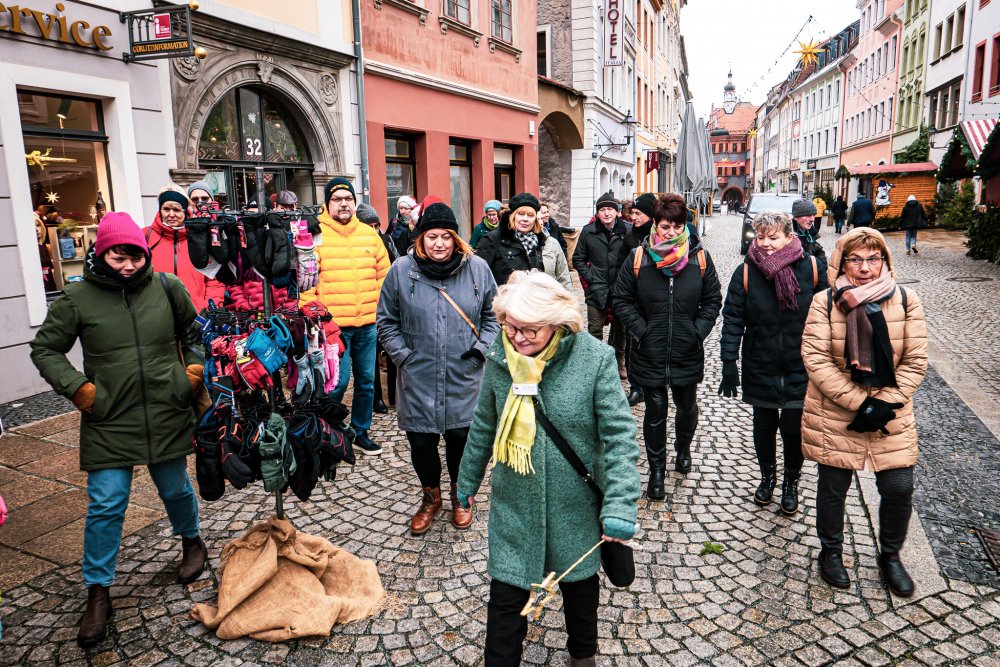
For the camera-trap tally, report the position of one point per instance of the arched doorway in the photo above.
(249, 128)
(732, 195)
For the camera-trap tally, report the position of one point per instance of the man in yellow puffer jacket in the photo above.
(352, 264)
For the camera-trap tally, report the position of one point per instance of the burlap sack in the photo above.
(277, 584)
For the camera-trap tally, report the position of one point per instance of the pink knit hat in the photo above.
(117, 229)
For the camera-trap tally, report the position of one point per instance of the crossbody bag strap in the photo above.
(459, 311)
(566, 450)
(173, 305)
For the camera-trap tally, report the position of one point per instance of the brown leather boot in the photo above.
(583, 662)
(460, 517)
(195, 553)
(94, 625)
(429, 508)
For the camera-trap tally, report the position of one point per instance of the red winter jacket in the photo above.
(170, 255)
(250, 296)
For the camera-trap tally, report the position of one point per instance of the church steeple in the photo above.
(729, 94)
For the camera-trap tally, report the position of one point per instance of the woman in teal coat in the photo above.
(134, 396)
(543, 515)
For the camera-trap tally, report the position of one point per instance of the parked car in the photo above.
(763, 201)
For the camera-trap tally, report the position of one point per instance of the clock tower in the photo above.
(729, 95)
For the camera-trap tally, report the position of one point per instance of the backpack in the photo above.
(639, 255)
(746, 275)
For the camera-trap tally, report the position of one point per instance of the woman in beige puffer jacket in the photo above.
(864, 368)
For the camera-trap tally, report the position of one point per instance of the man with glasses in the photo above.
(352, 265)
(201, 194)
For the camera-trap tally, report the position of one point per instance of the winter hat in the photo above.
(523, 199)
(492, 205)
(802, 208)
(607, 200)
(119, 229)
(645, 203)
(201, 185)
(437, 216)
(174, 196)
(286, 198)
(367, 215)
(405, 201)
(337, 184)
(912, 198)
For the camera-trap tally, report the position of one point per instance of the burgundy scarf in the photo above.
(779, 268)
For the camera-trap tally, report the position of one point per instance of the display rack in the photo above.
(65, 270)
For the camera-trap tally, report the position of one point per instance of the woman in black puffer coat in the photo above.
(669, 306)
(508, 248)
(766, 308)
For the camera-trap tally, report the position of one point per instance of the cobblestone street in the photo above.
(759, 602)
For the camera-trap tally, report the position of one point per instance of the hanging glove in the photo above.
(307, 269)
(253, 373)
(474, 353)
(83, 399)
(318, 364)
(331, 354)
(207, 467)
(233, 468)
(729, 387)
(873, 415)
(306, 385)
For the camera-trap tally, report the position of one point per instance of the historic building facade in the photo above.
(728, 130)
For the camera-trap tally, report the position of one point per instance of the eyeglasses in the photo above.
(201, 200)
(526, 333)
(341, 200)
(856, 262)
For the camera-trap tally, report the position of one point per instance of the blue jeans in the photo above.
(911, 237)
(359, 356)
(838, 224)
(108, 493)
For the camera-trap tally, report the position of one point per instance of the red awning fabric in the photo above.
(977, 132)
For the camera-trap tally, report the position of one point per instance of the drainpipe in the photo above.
(362, 127)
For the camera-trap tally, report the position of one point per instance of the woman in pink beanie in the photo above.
(134, 395)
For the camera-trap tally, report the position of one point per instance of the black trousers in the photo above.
(616, 336)
(766, 424)
(895, 489)
(654, 422)
(426, 459)
(506, 628)
(390, 377)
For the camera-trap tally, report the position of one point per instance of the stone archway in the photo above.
(732, 194)
(555, 169)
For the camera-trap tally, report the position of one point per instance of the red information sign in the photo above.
(161, 26)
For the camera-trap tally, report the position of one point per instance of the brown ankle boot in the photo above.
(460, 517)
(429, 508)
(94, 625)
(195, 553)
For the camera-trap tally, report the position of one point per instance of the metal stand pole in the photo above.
(279, 501)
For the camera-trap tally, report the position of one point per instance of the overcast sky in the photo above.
(751, 34)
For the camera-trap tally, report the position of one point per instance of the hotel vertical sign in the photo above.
(614, 22)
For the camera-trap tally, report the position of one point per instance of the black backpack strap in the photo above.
(566, 450)
(829, 302)
(173, 305)
(902, 294)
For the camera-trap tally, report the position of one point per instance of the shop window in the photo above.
(458, 10)
(460, 168)
(501, 20)
(503, 173)
(66, 156)
(400, 169)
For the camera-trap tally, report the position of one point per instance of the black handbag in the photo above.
(616, 558)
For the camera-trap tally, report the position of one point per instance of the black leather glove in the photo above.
(474, 353)
(730, 384)
(873, 415)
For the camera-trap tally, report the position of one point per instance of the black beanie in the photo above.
(337, 184)
(174, 196)
(645, 203)
(437, 216)
(523, 199)
(607, 200)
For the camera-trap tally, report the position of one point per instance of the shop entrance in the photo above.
(249, 128)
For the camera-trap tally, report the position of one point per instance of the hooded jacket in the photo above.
(832, 399)
(169, 250)
(769, 339)
(554, 260)
(353, 263)
(668, 317)
(142, 409)
(504, 253)
(597, 259)
(249, 296)
(913, 215)
(862, 212)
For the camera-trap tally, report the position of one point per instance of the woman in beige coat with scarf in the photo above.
(865, 350)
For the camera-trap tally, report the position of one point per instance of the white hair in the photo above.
(536, 298)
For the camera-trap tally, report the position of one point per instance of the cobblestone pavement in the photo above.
(758, 602)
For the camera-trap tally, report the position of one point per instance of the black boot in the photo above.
(768, 480)
(94, 625)
(790, 491)
(682, 462)
(657, 471)
(832, 570)
(635, 396)
(380, 407)
(894, 575)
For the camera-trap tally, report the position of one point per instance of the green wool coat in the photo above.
(543, 522)
(142, 410)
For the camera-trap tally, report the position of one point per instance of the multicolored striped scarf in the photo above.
(670, 255)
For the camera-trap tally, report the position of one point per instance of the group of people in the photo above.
(492, 353)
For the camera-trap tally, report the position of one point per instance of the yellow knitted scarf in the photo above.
(516, 431)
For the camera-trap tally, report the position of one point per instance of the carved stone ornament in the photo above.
(187, 68)
(264, 69)
(328, 89)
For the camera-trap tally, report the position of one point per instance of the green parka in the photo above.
(544, 521)
(142, 409)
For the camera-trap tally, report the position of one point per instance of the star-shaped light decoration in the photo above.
(51, 197)
(752, 133)
(808, 53)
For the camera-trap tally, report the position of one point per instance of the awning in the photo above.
(907, 168)
(976, 133)
(962, 157)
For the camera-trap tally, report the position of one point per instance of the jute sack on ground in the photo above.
(278, 584)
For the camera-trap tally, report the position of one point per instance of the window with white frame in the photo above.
(458, 10)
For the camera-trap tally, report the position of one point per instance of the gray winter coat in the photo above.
(425, 337)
